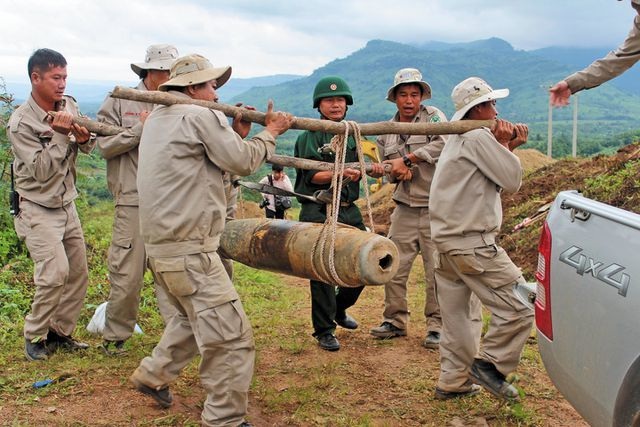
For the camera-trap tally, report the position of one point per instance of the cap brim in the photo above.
(495, 94)
(220, 75)
(164, 64)
(426, 90)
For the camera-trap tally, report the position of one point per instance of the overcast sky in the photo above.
(101, 38)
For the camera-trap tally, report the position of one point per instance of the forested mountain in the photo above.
(369, 71)
(577, 59)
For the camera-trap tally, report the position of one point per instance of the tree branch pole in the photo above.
(308, 164)
(379, 128)
(284, 161)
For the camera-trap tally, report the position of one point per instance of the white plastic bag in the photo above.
(96, 324)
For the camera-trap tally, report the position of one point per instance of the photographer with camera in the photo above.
(275, 206)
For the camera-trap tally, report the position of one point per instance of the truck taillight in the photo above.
(543, 293)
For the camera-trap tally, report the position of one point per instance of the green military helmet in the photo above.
(331, 86)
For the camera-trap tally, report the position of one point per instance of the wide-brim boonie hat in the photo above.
(158, 57)
(471, 92)
(408, 76)
(195, 69)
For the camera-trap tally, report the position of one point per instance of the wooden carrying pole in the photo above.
(284, 161)
(379, 128)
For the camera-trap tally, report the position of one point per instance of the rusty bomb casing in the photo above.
(361, 258)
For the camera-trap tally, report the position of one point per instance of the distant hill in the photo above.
(369, 71)
(578, 58)
(236, 86)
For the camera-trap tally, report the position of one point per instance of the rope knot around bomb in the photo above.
(323, 254)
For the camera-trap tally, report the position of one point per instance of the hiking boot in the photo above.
(432, 340)
(113, 348)
(163, 396)
(328, 342)
(36, 350)
(387, 330)
(346, 321)
(245, 424)
(447, 395)
(56, 341)
(485, 373)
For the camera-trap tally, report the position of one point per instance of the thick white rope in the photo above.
(326, 261)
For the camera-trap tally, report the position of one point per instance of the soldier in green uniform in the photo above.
(329, 306)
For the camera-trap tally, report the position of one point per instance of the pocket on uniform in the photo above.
(118, 251)
(173, 273)
(123, 242)
(466, 262)
(499, 269)
(437, 264)
(19, 223)
(391, 149)
(22, 221)
(223, 323)
(415, 142)
(41, 253)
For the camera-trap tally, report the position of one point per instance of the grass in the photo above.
(368, 383)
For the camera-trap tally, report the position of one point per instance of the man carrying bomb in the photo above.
(466, 214)
(184, 150)
(413, 159)
(127, 258)
(45, 151)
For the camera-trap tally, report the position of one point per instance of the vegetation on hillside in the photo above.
(608, 179)
(605, 114)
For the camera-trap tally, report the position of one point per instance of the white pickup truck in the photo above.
(588, 307)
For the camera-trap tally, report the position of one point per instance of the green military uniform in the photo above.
(326, 301)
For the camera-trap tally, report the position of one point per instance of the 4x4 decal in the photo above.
(587, 265)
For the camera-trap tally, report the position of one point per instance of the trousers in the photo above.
(56, 245)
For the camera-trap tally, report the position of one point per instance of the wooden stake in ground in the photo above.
(379, 128)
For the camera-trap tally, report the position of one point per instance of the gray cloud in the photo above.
(100, 39)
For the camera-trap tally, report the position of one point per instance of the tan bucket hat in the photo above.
(471, 92)
(158, 57)
(195, 69)
(406, 76)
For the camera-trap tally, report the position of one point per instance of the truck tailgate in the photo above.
(595, 302)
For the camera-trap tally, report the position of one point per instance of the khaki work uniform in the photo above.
(612, 65)
(45, 175)
(184, 150)
(410, 229)
(231, 195)
(466, 215)
(127, 258)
